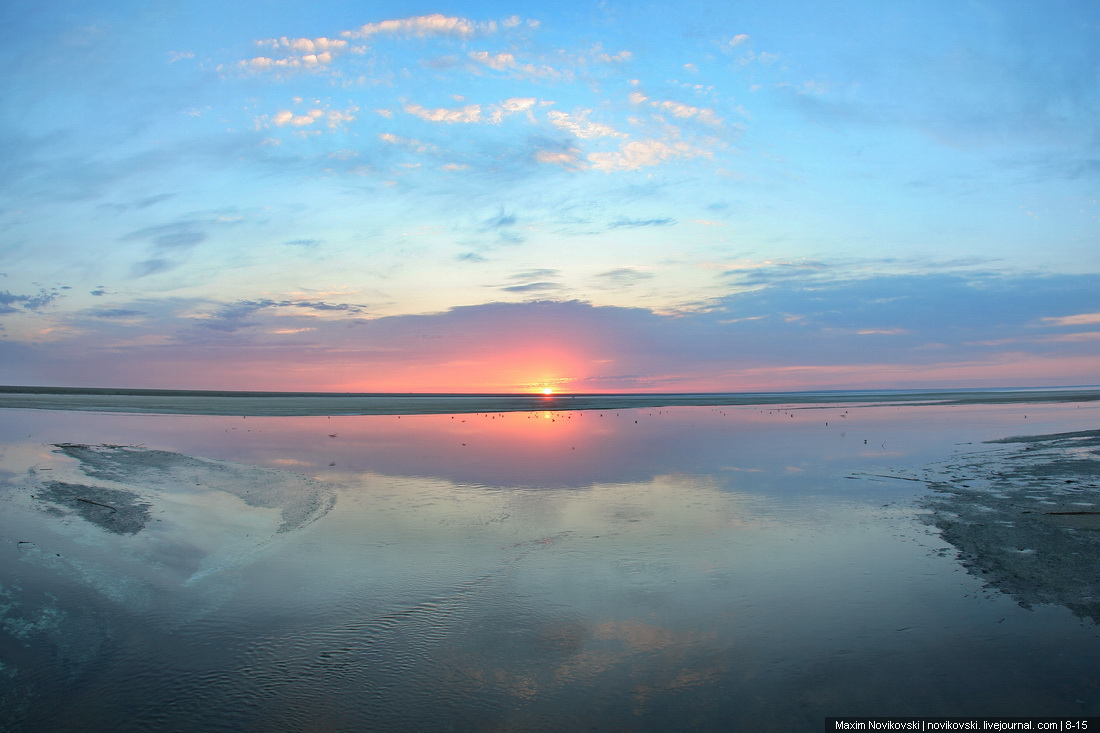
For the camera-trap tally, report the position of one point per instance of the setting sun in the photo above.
(547, 391)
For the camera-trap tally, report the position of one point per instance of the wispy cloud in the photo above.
(623, 222)
(625, 275)
(535, 287)
(1080, 319)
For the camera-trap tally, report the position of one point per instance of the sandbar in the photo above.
(190, 402)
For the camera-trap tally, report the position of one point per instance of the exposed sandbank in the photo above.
(305, 404)
(160, 509)
(1025, 517)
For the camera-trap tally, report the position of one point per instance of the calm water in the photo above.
(648, 569)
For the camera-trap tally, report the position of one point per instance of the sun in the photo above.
(547, 391)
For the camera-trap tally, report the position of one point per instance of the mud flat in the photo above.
(1024, 515)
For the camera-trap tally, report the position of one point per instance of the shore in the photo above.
(306, 404)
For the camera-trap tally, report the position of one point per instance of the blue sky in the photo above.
(651, 196)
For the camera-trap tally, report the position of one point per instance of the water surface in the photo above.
(632, 569)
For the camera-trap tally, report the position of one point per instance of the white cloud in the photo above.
(286, 54)
(579, 125)
(305, 45)
(511, 107)
(424, 26)
(507, 62)
(738, 39)
(500, 61)
(614, 58)
(473, 113)
(336, 119)
(305, 62)
(642, 154)
(408, 143)
(686, 112)
(333, 119)
(286, 117)
(466, 114)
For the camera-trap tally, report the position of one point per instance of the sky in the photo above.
(582, 196)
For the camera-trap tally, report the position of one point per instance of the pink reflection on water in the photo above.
(563, 448)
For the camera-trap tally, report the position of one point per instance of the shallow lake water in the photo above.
(644, 569)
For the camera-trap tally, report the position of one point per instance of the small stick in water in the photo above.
(89, 501)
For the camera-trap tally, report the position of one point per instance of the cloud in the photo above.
(176, 237)
(500, 61)
(410, 144)
(568, 158)
(536, 274)
(317, 114)
(180, 234)
(293, 54)
(423, 26)
(507, 62)
(535, 287)
(687, 112)
(771, 271)
(114, 313)
(1080, 319)
(141, 203)
(510, 107)
(499, 221)
(625, 275)
(285, 55)
(14, 303)
(152, 266)
(579, 125)
(635, 223)
(242, 314)
(643, 154)
(470, 113)
(942, 329)
(473, 113)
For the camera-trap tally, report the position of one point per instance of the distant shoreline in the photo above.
(209, 402)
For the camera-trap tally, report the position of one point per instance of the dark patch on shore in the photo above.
(1026, 518)
(114, 510)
